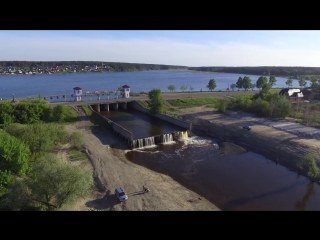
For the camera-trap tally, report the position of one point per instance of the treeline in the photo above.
(114, 66)
(277, 71)
(33, 111)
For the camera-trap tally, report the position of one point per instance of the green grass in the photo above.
(76, 155)
(87, 110)
(71, 114)
(134, 94)
(193, 102)
(97, 121)
(144, 104)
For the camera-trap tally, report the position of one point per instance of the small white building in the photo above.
(77, 94)
(126, 91)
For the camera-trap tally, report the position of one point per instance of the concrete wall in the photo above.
(137, 106)
(96, 107)
(172, 120)
(186, 125)
(122, 131)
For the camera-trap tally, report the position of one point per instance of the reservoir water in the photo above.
(23, 86)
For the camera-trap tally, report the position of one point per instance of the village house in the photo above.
(297, 95)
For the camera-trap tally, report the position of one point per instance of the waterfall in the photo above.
(149, 141)
(164, 138)
(143, 142)
(155, 140)
(181, 136)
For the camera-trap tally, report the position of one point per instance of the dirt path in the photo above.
(111, 169)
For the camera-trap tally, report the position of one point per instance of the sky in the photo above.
(191, 48)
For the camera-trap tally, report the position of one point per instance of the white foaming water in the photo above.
(145, 147)
(168, 143)
(195, 140)
(142, 150)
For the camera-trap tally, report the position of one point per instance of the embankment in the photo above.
(280, 146)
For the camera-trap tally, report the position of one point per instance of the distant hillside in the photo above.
(277, 71)
(103, 66)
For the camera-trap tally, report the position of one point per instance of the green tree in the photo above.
(310, 160)
(272, 80)
(289, 82)
(265, 91)
(239, 83)
(183, 88)
(14, 154)
(6, 178)
(40, 138)
(314, 85)
(302, 81)
(191, 88)
(18, 198)
(171, 88)
(51, 184)
(246, 83)
(233, 86)
(261, 81)
(157, 104)
(212, 85)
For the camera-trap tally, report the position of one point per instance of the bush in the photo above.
(222, 105)
(283, 108)
(260, 107)
(310, 160)
(76, 139)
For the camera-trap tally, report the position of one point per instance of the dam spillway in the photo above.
(140, 129)
(146, 130)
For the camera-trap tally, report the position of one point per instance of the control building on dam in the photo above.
(144, 130)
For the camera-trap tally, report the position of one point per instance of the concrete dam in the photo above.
(133, 123)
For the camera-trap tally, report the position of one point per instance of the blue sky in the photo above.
(191, 48)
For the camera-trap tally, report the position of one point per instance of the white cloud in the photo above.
(160, 51)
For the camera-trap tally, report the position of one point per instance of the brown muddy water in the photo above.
(244, 182)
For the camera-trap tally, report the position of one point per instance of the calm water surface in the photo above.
(53, 84)
(140, 124)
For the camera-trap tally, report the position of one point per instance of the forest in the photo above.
(267, 70)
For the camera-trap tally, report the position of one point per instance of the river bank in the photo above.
(280, 146)
(106, 157)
